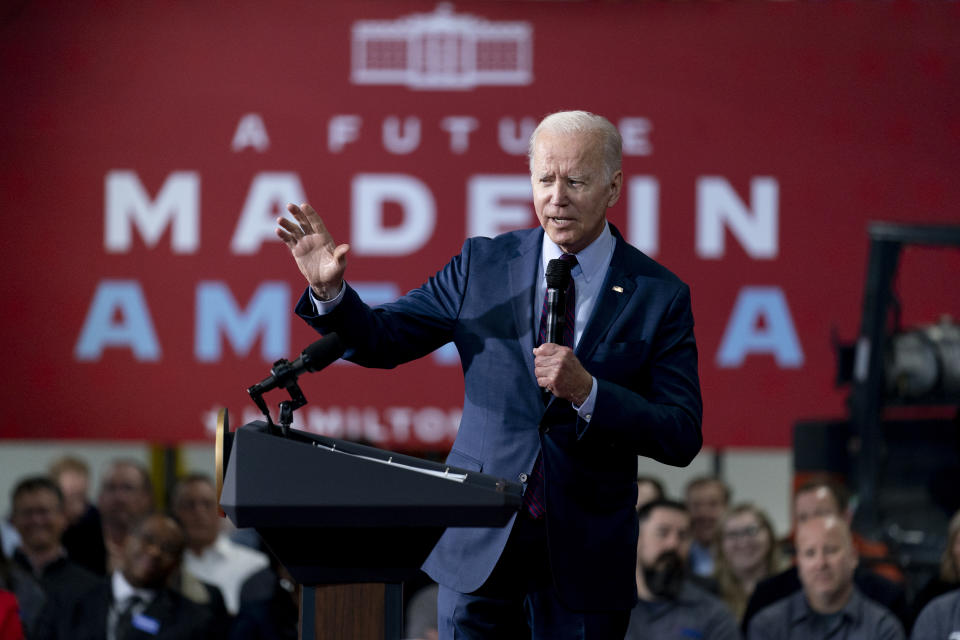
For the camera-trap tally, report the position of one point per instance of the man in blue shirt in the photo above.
(830, 605)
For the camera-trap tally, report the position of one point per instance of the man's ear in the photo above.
(616, 186)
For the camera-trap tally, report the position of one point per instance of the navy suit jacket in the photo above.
(640, 347)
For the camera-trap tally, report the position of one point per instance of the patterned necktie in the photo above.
(533, 500)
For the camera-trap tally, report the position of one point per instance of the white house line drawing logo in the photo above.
(441, 51)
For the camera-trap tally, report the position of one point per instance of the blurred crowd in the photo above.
(714, 569)
(119, 568)
(710, 568)
(707, 567)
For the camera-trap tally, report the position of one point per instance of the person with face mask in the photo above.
(670, 606)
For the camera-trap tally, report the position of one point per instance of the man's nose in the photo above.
(558, 193)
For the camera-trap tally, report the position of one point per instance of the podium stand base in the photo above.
(365, 611)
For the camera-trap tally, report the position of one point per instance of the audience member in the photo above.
(40, 519)
(707, 499)
(126, 497)
(72, 475)
(135, 601)
(939, 620)
(28, 595)
(649, 489)
(829, 605)
(211, 555)
(948, 577)
(820, 497)
(83, 538)
(747, 552)
(819, 500)
(670, 606)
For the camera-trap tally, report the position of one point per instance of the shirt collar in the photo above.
(851, 611)
(123, 590)
(589, 260)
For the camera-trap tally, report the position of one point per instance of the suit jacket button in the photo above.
(522, 477)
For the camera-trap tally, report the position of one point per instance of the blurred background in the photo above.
(795, 163)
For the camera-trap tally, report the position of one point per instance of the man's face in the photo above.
(152, 552)
(39, 519)
(662, 545)
(570, 190)
(826, 562)
(815, 503)
(196, 509)
(665, 530)
(707, 504)
(124, 498)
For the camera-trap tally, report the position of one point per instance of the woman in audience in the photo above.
(746, 554)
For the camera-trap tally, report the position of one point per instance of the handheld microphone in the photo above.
(315, 357)
(558, 278)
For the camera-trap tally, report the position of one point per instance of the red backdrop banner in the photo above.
(148, 147)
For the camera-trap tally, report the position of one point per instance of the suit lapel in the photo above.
(617, 289)
(522, 273)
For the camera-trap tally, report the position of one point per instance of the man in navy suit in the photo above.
(563, 567)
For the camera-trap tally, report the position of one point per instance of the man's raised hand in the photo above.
(321, 260)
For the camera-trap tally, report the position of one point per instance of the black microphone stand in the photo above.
(286, 378)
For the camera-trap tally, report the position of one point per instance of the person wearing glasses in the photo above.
(747, 553)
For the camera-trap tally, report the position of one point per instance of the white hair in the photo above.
(569, 122)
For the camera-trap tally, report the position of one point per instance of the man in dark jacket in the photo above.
(134, 602)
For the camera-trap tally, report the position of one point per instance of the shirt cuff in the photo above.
(323, 307)
(585, 411)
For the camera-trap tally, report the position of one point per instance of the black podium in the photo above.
(340, 513)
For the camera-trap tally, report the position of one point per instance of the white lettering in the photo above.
(267, 199)
(251, 132)
(514, 138)
(496, 204)
(369, 234)
(634, 132)
(127, 204)
(401, 143)
(756, 227)
(341, 130)
(459, 128)
(643, 216)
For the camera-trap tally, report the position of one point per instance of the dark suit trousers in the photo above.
(518, 600)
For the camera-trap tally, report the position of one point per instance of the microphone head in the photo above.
(558, 274)
(323, 352)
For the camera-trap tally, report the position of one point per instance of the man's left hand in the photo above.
(560, 372)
